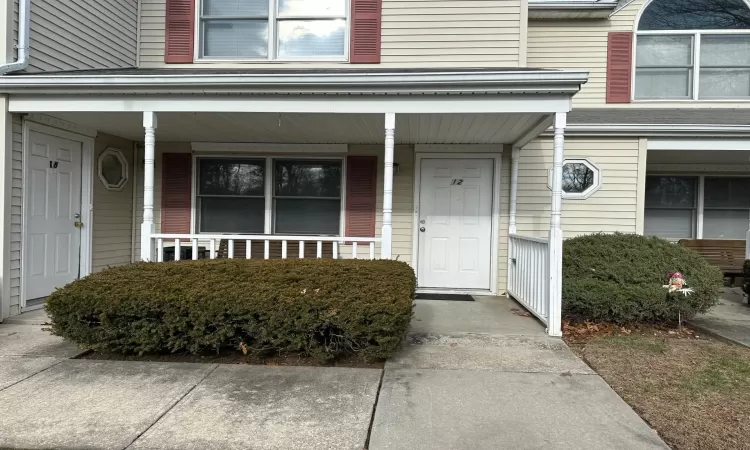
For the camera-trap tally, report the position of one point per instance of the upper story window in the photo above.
(273, 29)
(693, 50)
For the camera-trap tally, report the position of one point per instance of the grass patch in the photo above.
(637, 343)
(694, 392)
(729, 373)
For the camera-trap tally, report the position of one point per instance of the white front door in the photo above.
(455, 223)
(53, 206)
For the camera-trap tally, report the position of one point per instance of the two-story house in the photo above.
(465, 137)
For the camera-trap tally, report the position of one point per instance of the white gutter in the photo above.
(24, 25)
(537, 81)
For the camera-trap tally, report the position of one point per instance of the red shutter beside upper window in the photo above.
(180, 23)
(619, 67)
(365, 31)
(361, 192)
(176, 187)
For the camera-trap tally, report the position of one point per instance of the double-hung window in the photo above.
(269, 195)
(693, 50)
(273, 29)
(706, 207)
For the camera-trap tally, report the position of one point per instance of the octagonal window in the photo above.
(113, 169)
(580, 178)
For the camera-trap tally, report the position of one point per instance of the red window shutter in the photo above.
(619, 66)
(180, 22)
(365, 32)
(176, 186)
(361, 192)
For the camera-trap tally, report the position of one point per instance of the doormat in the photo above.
(450, 297)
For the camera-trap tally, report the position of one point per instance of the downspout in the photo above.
(24, 24)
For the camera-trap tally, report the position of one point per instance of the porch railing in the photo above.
(264, 246)
(528, 259)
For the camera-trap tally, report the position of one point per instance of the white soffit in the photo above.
(699, 144)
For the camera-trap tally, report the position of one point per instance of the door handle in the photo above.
(78, 224)
(422, 229)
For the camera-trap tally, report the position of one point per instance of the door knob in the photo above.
(421, 229)
(78, 224)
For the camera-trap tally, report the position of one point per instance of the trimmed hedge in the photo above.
(746, 277)
(319, 307)
(619, 278)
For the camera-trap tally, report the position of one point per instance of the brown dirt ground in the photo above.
(693, 389)
(236, 357)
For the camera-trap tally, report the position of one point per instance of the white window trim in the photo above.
(268, 194)
(588, 192)
(117, 153)
(699, 208)
(696, 34)
(272, 57)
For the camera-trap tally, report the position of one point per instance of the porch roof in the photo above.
(648, 121)
(344, 81)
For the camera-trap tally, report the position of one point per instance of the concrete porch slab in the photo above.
(490, 315)
(458, 409)
(488, 353)
(17, 368)
(34, 340)
(35, 317)
(260, 407)
(92, 404)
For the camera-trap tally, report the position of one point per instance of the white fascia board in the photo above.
(699, 144)
(520, 81)
(654, 130)
(413, 104)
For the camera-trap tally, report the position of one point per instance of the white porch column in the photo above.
(513, 189)
(6, 186)
(147, 227)
(387, 231)
(554, 327)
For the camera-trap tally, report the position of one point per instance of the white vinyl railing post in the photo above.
(554, 326)
(387, 231)
(147, 227)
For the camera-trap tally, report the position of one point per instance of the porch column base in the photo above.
(147, 244)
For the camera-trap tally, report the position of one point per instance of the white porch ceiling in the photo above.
(313, 128)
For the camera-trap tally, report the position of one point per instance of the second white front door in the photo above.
(53, 207)
(455, 223)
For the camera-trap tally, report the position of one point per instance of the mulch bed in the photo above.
(693, 389)
(229, 356)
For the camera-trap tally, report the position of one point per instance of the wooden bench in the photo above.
(727, 254)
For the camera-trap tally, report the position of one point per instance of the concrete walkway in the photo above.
(730, 319)
(475, 375)
(508, 387)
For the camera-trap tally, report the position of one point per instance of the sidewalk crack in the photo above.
(171, 407)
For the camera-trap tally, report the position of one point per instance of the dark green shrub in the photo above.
(619, 278)
(324, 308)
(746, 277)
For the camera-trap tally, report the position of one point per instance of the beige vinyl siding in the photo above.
(82, 34)
(612, 208)
(16, 203)
(415, 33)
(581, 45)
(403, 204)
(113, 211)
